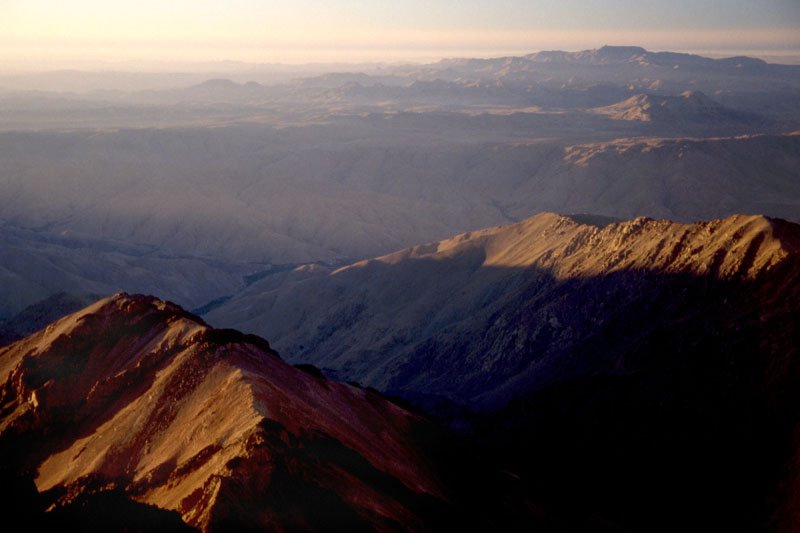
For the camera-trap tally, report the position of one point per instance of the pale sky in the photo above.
(58, 31)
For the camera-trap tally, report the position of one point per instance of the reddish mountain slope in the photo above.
(136, 395)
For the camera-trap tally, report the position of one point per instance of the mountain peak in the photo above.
(219, 83)
(363, 320)
(135, 393)
(597, 56)
(688, 107)
(568, 246)
(620, 51)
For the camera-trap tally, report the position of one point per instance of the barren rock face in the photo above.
(483, 315)
(689, 107)
(133, 394)
(643, 371)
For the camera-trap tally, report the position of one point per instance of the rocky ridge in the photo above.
(639, 374)
(134, 395)
(488, 312)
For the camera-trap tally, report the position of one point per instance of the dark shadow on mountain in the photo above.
(113, 511)
(37, 316)
(635, 400)
(108, 510)
(76, 413)
(598, 221)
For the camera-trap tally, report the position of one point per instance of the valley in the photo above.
(554, 291)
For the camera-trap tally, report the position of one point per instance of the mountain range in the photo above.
(144, 189)
(530, 291)
(622, 357)
(454, 354)
(134, 405)
(178, 214)
(689, 106)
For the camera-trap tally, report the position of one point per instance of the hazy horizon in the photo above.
(45, 35)
(338, 57)
(273, 264)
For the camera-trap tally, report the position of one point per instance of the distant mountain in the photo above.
(600, 56)
(133, 401)
(628, 373)
(38, 265)
(187, 213)
(220, 87)
(547, 79)
(339, 79)
(743, 83)
(37, 316)
(677, 111)
(182, 192)
(615, 55)
(614, 58)
(612, 364)
(366, 187)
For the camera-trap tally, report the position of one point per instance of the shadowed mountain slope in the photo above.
(185, 213)
(134, 395)
(689, 107)
(37, 316)
(643, 374)
(486, 313)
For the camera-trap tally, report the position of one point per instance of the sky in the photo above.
(53, 32)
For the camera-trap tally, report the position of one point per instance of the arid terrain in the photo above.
(147, 183)
(207, 423)
(556, 291)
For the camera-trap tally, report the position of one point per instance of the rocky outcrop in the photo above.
(642, 374)
(478, 317)
(677, 111)
(134, 398)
